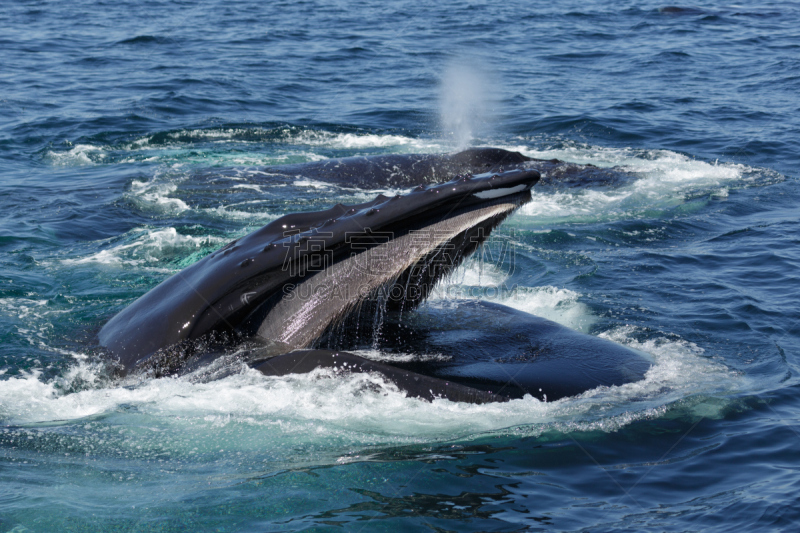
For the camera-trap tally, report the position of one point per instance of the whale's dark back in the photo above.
(404, 170)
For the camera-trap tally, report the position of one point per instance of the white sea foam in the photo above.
(217, 153)
(154, 195)
(21, 308)
(553, 303)
(148, 247)
(332, 410)
(78, 155)
(665, 179)
(227, 212)
(32, 320)
(583, 205)
(480, 280)
(311, 184)
(364, 140)
(249, 186)
(292, 137)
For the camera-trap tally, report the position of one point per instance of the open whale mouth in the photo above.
(289, 281)
(394, 261)
(399, 266)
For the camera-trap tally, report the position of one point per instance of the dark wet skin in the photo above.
(495, 348)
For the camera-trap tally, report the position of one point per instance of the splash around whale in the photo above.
(307, 280)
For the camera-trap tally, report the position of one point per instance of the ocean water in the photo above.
(131, 134)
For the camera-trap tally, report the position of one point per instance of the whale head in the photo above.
(289, 281)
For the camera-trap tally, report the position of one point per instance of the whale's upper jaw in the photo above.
(248, 277)
(383, 210)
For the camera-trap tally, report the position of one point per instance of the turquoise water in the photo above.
(131, 135)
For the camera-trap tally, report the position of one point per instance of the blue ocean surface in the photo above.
(130, 133)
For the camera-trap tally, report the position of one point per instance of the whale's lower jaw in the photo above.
(412, 384)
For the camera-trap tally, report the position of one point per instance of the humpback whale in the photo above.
(286, 289)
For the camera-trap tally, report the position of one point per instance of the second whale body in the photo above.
(409, 170)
